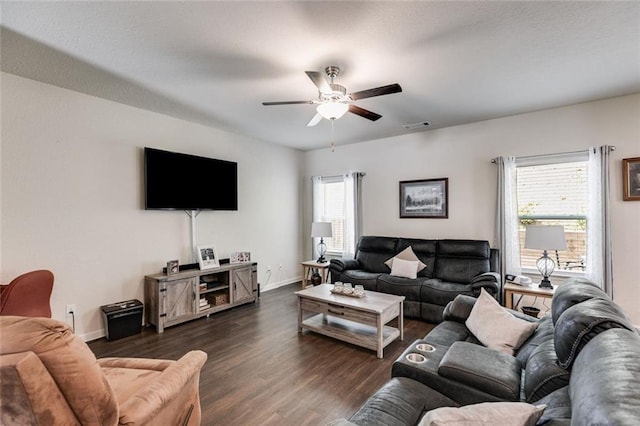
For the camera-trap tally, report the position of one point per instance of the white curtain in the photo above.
(507, 226)
(353, 213)
(318, 208)
(599, 266)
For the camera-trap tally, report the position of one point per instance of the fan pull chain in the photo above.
(333, 143)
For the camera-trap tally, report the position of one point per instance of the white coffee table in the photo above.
(359, 321)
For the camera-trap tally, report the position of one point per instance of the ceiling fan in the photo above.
(333, 101)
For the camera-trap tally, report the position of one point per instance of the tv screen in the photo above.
(175, 181)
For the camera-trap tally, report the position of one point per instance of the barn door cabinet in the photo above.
(187, 295)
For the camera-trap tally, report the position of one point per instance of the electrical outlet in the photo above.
(268, 268)
(71, 309)
(280, 267)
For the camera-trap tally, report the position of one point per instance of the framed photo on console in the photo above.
(240, 257)
(173, 267)
(425, 198)
(208, 257)
(631, 179)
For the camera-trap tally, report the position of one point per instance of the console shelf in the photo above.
(187, 295)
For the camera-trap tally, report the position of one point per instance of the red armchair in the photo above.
(27, 295)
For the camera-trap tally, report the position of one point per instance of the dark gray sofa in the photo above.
(453, 267)
(582, 362)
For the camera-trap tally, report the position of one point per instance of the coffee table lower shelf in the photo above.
(362, 335)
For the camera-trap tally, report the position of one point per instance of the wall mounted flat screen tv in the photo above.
(175, 181)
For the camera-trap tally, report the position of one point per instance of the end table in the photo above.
(512, 289)
(309, 267)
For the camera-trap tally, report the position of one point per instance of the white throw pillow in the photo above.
(406, 254)
(495, 327)
(486, 413)
(405, 268)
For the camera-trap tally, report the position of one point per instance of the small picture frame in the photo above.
(424, 198)
(240, 257)
(631, 179)
(173, 267)
(208, 257)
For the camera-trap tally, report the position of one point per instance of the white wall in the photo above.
(464, 153)
(72, 185)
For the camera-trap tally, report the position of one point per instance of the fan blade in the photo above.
(287, 102)
(315, 120)
(369, 115)
(320, 81)
(378, 91)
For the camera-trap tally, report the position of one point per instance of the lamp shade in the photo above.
(545, 238)
(332, 110)
(321, 229)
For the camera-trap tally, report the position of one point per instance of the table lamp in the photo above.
(321, 230)
(545, 238)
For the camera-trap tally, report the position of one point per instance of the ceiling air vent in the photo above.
(414, 126)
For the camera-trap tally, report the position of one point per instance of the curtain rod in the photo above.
(338, 176)
(530, 157)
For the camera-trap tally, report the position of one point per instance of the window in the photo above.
(552, 190)
(338, 199)
(333, 210)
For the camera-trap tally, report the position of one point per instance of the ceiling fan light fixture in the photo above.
(332, 110)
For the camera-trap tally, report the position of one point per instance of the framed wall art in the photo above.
(208, 257)
(425, 198)
(631, 179)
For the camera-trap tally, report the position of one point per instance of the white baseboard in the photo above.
(273, 286)
(98, 334)
(87, 337)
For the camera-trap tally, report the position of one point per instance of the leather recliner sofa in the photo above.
(453, 267)
(582, 362)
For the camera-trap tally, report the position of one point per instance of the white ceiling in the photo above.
(215, 62)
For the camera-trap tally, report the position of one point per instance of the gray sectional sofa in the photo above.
(582, 362)
(453, 267)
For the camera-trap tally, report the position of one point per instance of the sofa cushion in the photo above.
(543, 333)
(369, 280)
(409, 288)
(442, 292)
(484, 369)
(558, 410)
(406, 254)
(399, 402)
(604, 380)
(29, 395)
(495, 327)
(543, 375)
(581, 323)
(447, 333)
(572, 292)
(486, 413)
(374, 251)
(459, 261)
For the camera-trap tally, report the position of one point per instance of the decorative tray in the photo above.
(353, 294)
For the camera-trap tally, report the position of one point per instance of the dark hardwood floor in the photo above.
(261, 371)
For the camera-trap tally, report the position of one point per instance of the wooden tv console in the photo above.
(174, 299)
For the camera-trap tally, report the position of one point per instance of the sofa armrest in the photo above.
(490, 371)
(340, 265)
(30, 395)
(487, 276)
(490, 281)
(176, 385)
(459, 308)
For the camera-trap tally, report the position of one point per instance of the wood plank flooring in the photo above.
(260, 371)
